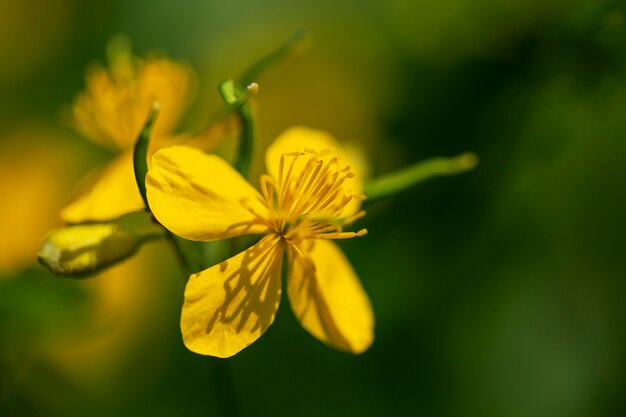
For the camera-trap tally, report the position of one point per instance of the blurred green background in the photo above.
(497, 293)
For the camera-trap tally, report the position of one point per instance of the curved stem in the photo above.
(403, 179)
(227, 399)
(246, 141)
(296, 43)
(178, 253)
(140, 153)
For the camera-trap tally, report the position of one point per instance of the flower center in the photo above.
(310, 199)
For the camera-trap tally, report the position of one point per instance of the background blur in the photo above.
(497, 293)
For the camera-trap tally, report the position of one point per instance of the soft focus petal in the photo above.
(297, 139)
(112, 194)
(173, 84)
(35, 170)
(116, 102)
(230, 305)
(95, 110)
(207, 139)
(201, 197)
(327, 297)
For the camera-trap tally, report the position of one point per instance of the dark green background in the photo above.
(500, 292)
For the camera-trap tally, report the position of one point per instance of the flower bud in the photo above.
(87, 248)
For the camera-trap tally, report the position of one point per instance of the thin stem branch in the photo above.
(246, 141)
(403, 179)
(178, 253)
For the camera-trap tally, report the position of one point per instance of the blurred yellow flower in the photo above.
(307, 198)
(35, 171)
(111, 112)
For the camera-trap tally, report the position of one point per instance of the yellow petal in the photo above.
(201, 197)
(327, 297)
(112, 194)
(230, 305)
(298, 139)
(173, 84)
(95, 110)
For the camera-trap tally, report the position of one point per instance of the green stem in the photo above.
(294, 45)
(246, 141)
(403, 179)
(237, 98)
(140, 163)
(178, 253)
(225, 388)
(140, 154)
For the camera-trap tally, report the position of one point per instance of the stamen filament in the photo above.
(307, 199)
(342, 235)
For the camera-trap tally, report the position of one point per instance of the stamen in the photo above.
(326, 229)
(322, 181)
(356, 216)
(295, 205)
(258, 217)
(307, 199)
(268, 187)
(341, 235)
(281, 168)
(285, 186)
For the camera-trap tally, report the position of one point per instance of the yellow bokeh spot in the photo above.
(34, 175)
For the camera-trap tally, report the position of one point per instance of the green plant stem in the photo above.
(178, 253)
(294, 45)
(237, 98)
(140, 154)
(246, 141)
(403, 179)
(227, 400)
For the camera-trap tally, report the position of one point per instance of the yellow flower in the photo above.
(35, 171)
(307, 198)
(111, 112)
